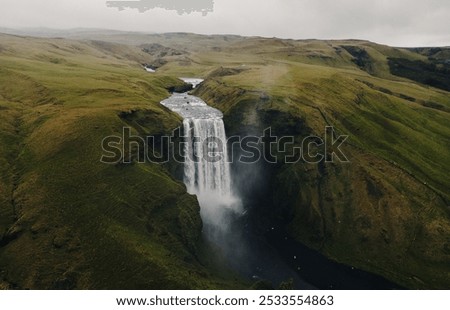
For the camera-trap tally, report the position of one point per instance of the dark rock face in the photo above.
(361, 58)
(13, 233)
(432, 73)
(159, 51)
(180, 88)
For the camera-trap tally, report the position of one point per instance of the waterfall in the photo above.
(207, 175)
(202, 175)
(209, 179)
(206, 162)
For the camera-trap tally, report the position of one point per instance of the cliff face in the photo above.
(386, 210)
(67, 220)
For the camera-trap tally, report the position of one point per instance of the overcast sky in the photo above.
(393, 22)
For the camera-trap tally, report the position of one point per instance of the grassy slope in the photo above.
(68, 221)
(387, 211)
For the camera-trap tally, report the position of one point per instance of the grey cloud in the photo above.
(393, 22)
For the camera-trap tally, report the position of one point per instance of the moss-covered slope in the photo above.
(387, 210)
(66, 219)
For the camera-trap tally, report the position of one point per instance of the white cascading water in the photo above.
(203, 176)
(209, 179)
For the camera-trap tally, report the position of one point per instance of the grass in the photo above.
(82, 224)
(386, 211)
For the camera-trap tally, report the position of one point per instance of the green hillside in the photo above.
(69, 221)
(387, 211)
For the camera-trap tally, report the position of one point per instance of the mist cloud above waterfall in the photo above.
(398, 22)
